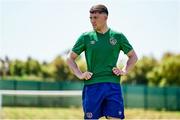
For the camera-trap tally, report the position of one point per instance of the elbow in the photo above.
(68, 60)
(135, 58)
(71, 58)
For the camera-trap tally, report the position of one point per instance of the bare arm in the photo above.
(73, 66)
(132, 59)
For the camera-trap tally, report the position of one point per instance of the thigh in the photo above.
(113, 105)
(92, 101)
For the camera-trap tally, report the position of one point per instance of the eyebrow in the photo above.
(94, 12)
(93, 17)
(99, 11)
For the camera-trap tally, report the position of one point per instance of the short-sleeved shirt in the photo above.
(101, 53)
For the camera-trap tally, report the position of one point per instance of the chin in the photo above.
(95, 28)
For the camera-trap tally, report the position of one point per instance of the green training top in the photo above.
(101, 52)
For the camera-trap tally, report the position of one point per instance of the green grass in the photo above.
(76, 113)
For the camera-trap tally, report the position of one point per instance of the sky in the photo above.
(44, 29)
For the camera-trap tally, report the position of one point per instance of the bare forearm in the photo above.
(131, 61)
(73, 66)
(130, 64)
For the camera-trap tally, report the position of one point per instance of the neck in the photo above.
(103, 30)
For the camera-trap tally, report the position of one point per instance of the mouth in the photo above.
(94, 25)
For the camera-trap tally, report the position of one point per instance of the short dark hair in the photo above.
(99, 8)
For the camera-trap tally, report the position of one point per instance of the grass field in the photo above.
(76, 113)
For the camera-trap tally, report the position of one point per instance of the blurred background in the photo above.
(36, 35)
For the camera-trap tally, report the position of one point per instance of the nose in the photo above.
(93, 21)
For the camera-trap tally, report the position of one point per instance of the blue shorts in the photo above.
(103, 99)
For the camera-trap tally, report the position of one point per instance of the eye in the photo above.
(93, 17)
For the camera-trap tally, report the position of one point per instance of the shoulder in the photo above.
(88, 33)
(118, 35)
(86, 36)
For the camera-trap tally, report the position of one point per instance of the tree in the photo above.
(61, 70)
(33, 67)
(167, 72)
(17, 68)
(139, 73)
(46, 71)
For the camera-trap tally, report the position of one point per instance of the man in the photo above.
(102, 92)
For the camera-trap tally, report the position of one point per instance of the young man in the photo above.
(102, 94)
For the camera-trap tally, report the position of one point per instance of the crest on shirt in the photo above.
(93, 42)
(113, 41)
